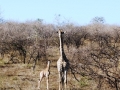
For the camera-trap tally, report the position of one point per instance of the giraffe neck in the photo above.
(48, 65)
(61, 45)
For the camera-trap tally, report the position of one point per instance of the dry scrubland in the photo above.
(93, 51)
(22, 77)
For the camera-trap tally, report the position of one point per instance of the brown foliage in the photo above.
(97, 47)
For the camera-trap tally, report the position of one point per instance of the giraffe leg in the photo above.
(47, 83)
(60, 79)
(65, 79)
(39, 82)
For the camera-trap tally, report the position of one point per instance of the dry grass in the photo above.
(22, 76)
(17, 77)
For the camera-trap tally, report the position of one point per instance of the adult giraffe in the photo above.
(62, 63)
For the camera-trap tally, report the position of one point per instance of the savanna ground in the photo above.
(22, 77)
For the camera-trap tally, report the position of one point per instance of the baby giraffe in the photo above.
(44, 73)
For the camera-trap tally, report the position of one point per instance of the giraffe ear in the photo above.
(63, 32)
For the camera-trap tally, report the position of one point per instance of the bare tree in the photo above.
(100, 61)
(98, 20)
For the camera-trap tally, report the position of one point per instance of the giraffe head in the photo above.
(49, 61)
(60, 32)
